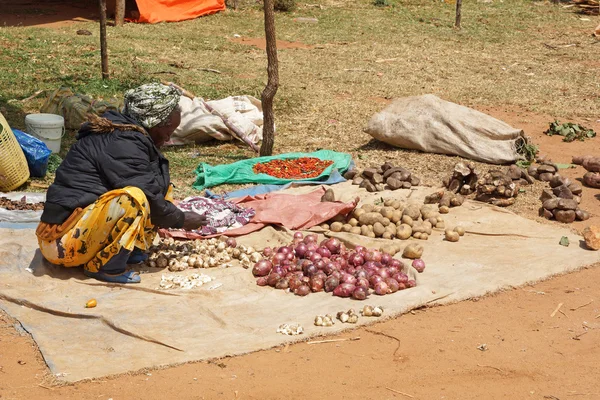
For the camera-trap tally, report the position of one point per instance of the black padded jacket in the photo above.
(100, 162)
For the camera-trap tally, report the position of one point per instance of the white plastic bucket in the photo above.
(49, 128)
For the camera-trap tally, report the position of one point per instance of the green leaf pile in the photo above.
(570, 131)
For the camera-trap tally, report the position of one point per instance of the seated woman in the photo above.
(113, 189)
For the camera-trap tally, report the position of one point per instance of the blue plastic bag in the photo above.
(36, 153)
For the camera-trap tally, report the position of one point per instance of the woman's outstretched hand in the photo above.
(193, 221)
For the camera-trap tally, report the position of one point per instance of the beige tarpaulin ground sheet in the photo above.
(240, 317)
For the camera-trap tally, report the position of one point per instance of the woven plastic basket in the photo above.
(13, 166)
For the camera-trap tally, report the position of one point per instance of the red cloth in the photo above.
(296, 212)
(153, 11)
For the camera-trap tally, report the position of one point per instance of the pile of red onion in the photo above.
(306, 266)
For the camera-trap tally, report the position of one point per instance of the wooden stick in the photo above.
(399, 392)
(563, 313)
(103, 50)
(266, 148)
(33, 96)
(120, 12)
(216, 71)
(556, 310)
(583, 305)
(576, 337)
(45, 387)
(333, 340)
(458, 14)
(489, 366)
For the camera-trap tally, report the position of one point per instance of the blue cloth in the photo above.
(36, 152)
(334, 177)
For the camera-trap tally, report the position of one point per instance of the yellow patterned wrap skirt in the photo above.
(90, 237)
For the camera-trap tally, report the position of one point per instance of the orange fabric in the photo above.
(153, 11)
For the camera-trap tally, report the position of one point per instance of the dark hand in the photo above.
(193, 221)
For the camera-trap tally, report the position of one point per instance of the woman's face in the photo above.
(161, 134)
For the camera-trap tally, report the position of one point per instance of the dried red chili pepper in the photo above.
(295, 168)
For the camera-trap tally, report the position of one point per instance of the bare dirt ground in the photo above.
(47, 13)
(533, 351)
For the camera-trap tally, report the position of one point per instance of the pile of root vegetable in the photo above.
(384, 177)
(561, 202)
(179, 256)
(21, 205)
(306, 266)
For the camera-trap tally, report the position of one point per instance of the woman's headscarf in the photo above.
(151, 104)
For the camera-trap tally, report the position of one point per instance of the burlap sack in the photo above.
(430, 124)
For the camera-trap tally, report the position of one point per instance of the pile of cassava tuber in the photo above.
(561, 202)
(21, 205)
(592, 165)
(385, 177)
(393, 219)
(498, 188)
(305, 266)
(463, 179)
(179, 256)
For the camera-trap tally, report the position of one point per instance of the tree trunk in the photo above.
(458, 13)
(266, 149)
(120, 13)
(103, 50)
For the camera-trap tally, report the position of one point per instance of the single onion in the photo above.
(393, 271)
(360, 293)
(360, 273)
(356, 260)
(369, 265)
(284, 249)
(262, 281)
(360, 249)
(312, 246)
(279, 270)
(375, 279)
(315, 257)
(316, 284)
(294, 283)
(401, 277)
(329, 268)
(272, 279)
(267, 252)
(320, 274)
(309, 254)
(305, 279)
(312, 238)
(349, 269)
(301, 250)
(231, 242)
(419, 265)
(298, 235)
(333, 245)
(302, 290)
(262, 268)
(393, 285)
(309, 270)
(282, 284)
(362, 282)
(344, 290)
(411, 283)
(381, 288)
(337, 274)
(290, 256)
(347, 278)
(386, 259)
(331, 283)
(278, 258)
(401, 286)
(324, 252)
(320, 264)
(384, 273)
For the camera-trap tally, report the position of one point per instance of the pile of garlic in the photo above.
(290, 329)
(180, 255)
(183, 282)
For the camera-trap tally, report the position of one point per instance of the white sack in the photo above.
(199, 125)
(432, 125)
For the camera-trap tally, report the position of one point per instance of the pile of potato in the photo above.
(385, 177)
(392, 219)
(592, 165)
(497, 188)
(463, 179)
(519, 175)
(543, 172)
(561, 202)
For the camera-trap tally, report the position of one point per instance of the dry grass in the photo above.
(501, 57)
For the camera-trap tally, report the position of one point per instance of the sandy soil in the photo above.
(541, 343)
